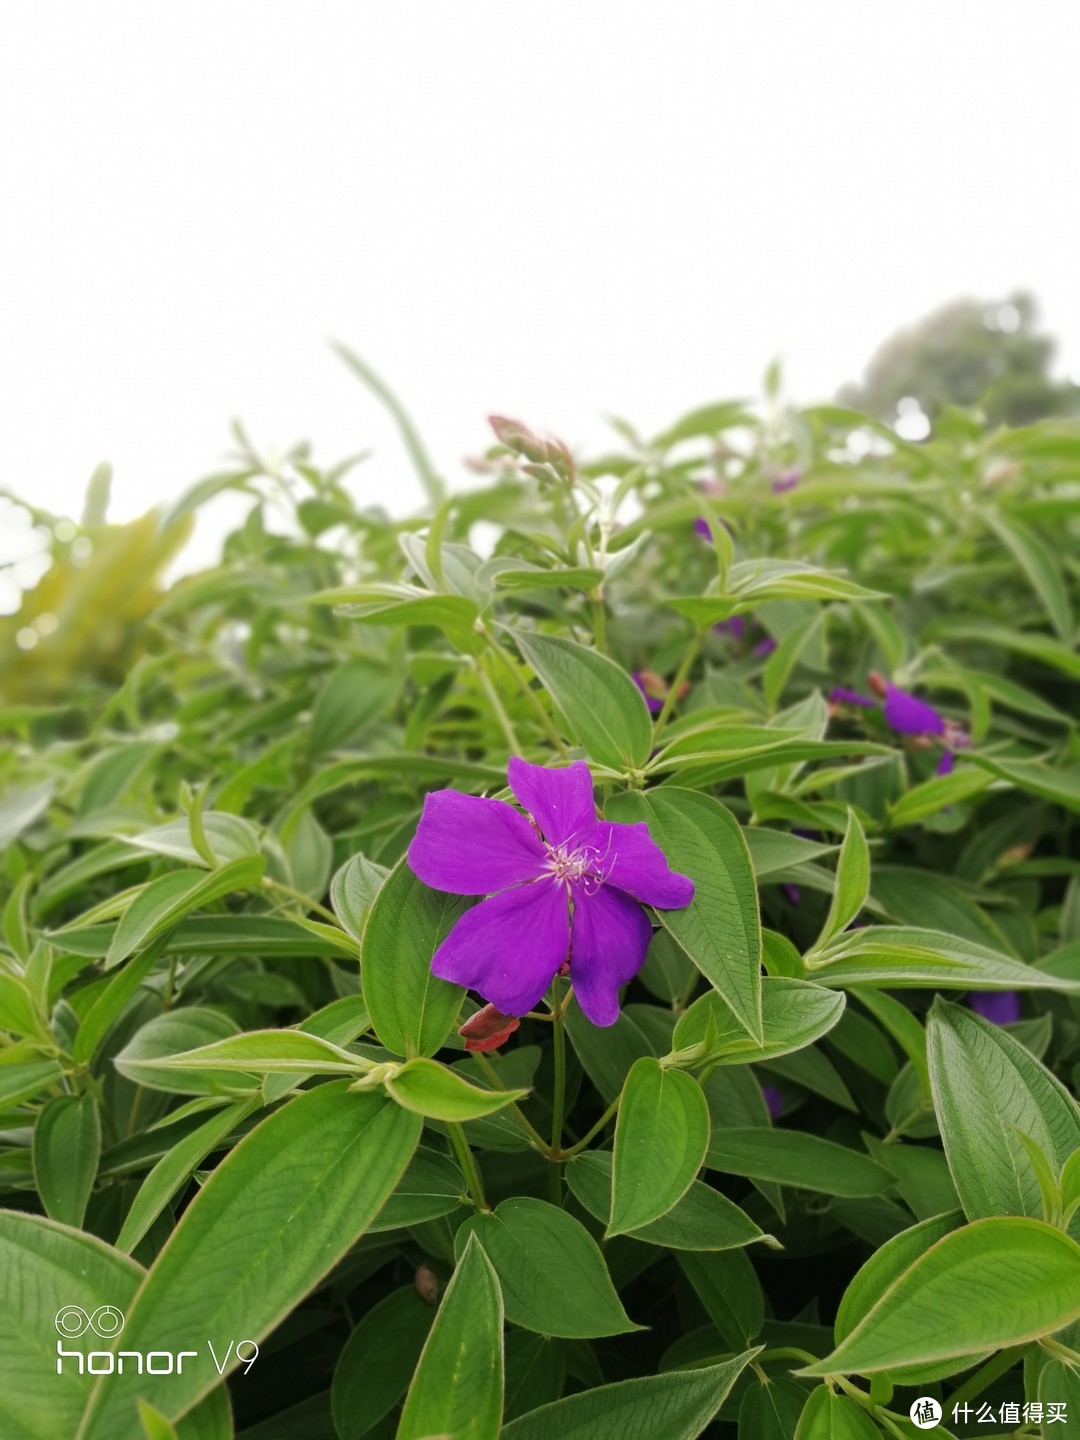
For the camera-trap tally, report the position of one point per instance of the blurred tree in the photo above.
(968, 353)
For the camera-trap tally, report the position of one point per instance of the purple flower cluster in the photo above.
(563, 888)
(906, 714)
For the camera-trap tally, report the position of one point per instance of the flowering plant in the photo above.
(613, 970)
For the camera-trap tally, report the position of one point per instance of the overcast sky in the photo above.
(555, 210)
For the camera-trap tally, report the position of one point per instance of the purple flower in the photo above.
(563, 887)
(1000, 1007)
(787, 481)
(765, 647)
(909, 716)
(774, 1101)
(945, 764)
(641, 679)
(703, 528)
(793, 893)
(735, 626)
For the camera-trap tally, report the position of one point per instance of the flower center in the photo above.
(570, 867)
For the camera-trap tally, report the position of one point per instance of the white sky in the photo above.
(555, 210)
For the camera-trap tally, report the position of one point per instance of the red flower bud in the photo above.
(488, 1029)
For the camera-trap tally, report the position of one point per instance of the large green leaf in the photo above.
(905, 957)
(413, 1010)
(660, 1142)
(51, 1272)
(986, 1088)
(852, 881)
(677, 1406)
(553, 1276)
(458, 1385)
(721, 927)
(272, 1219)
(795, 1158)
(995, 1283)
(439, 1093)
(167, 900)
(605, 710)
(377, 1362)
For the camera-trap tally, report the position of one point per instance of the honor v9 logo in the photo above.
(107, 1322)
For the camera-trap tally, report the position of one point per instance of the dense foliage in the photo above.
(825, 1161)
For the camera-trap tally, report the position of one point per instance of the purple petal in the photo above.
(508, 948)
(908, 716)
(766, 646)
(611, 934)
(631, 860)
(472, 846)
(735, 627)
(560, 801)
(840, 695)
(945, 764)
(703, 528)
(1000, 1007)
(774, 1101)
(787, 481)
(654, 702)
(793, 893)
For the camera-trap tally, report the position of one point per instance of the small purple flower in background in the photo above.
(735, 626)
(643, 679)
(774, 1101)
(703, 528)
(787, 481)
(793, 893)
(765, 647)
(561, 885)
(906, 714)
(1000, 1007)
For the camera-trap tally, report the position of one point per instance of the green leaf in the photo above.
(229, 837)
(830, 1416)
(905, 957)
(677, 1406)
(458, 1386)
(603, 707)
(413, 1011)
(431, 1187)
(174, 1170)
(720, 929)
(377, 1362)
(67, 1147)
(400, 605)
(703, 1219)
(165, 902)
(154, 1425)
(660, 1142)
(170, 1034)
(553, 1276)
(793, 1158)
(353, 890)
(441, 1094)
(1061, 787)
(1038, 565)
(937, 794)
(987, 1286)
(852, 882)
(20, 808)
(356, 694)
(273, 1217)
(531, 577)
(728, 1288)
(52, 1269)
(986, 1087)
(256, 1052)
(771, 1411)
(795, 1013)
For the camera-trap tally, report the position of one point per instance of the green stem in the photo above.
(689, 656)
(496, 704)
(558, 1098)
(303, 899)
(599, 621)
(592, 1134)
(529, 693)
(536, 1140)
(468, 1168)
(986, 1374)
